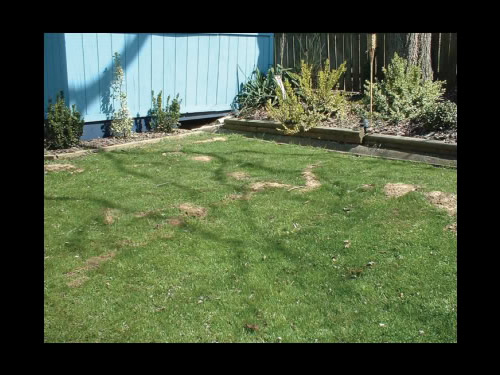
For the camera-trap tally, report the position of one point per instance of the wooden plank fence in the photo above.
(352, 48)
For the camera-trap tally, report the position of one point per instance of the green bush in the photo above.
(165, 119)
(260, 88)
(306, 106)
(323, 98)
(440, 116)
(291, 113)
(63, 126)
(403, 94)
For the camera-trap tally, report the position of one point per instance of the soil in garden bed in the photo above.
(352, 121)
(110, 141)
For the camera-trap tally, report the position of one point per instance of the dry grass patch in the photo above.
(110, 215)
(239, 175)
(192, 210)
(175, 221)
(367, 186)
(260, 186)
(398, 189)
(446, 201)
(147, 213)
(215, 139)
(62, 167)
(311, 180)
(452, 228)
(77, 275)
(202, 158)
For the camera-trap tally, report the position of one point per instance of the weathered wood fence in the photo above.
(352, 48)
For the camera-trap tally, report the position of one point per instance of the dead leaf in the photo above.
(253, 327)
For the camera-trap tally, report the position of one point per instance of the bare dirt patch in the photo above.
(311, 180)
(202, 158)
(239, 175)
(260, 186)
(175, 221)
(75, 283)
(446, 201)
(215, 139)
(78, 278)
(110, 215)
(148, 213)
(367, 186)
(62, 167)
(192, 210)
(172, 153)
(398, 189)
(452, 228)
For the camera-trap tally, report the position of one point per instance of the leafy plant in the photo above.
(403, 94)
(121, 124)
(306, 106)
(63, 126)
(442, 115)
(165, 119)
(291, 113)
(323, 98)
(260, 88)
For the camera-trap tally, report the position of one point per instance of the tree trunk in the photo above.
(416, 47)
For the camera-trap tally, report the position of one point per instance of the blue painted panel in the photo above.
(223, 59)
(191, 73)
(157, 65)
(76, 73)
(169, 53)
(105, 54)
(132, 72)
(91, 73)
(144, 74)
(241, 63)
(251, 55)
(202, 76)
(180, 68)
(206, 69)
(232, 70)
(213, 70)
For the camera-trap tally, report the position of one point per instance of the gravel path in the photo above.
(110, 141)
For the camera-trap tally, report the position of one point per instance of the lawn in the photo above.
(151, 245)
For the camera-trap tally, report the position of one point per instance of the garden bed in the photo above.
(352, 122)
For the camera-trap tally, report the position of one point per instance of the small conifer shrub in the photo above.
(165, 119)
(403, 94)
(63, 126)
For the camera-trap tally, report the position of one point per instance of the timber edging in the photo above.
(69, 155)
(356, 142)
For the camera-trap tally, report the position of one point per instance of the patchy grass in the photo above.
(148, 245)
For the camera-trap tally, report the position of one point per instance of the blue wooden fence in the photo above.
(205, 69)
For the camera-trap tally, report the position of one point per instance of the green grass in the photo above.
(277, 260)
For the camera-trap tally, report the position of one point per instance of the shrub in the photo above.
(121, 124)
(63, 126)
(324, 99)
(440, 116)
(291, 112)
(403, 94)
(165, 119)
(260, 88)
(306, 106)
